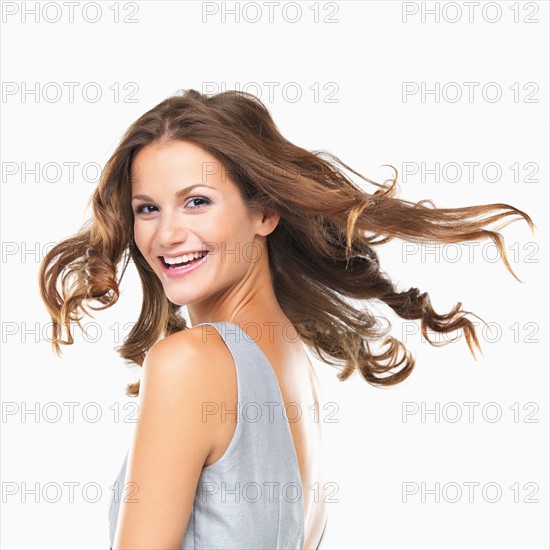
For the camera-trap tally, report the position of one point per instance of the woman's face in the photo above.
(172, 219)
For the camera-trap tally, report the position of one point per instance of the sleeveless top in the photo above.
(252, 497)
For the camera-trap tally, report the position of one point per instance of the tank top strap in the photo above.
(256, 380)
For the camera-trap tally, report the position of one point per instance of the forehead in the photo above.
(176, 161)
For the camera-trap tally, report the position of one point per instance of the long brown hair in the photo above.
(321, 253)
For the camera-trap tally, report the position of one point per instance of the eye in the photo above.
(199, 199)
(140, 209)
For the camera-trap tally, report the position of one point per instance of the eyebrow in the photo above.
(178, 194)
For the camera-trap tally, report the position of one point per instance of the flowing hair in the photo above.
(321, 254)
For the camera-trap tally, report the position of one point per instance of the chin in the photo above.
(180, 300)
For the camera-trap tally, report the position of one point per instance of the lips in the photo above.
(182, 271)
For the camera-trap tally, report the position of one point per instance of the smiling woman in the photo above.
(264, 243)
(177, 225)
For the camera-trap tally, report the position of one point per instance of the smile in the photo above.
(177, 267)
(184, 258)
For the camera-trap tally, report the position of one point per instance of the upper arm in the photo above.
(171, 443)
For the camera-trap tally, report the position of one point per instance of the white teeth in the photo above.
(184, 258)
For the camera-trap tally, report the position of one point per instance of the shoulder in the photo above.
(192, 356)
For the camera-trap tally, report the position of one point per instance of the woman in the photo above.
(264, 243)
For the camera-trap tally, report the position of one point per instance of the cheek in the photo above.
(140, 236)
(240, 245)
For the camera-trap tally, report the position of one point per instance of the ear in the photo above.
(267, 222)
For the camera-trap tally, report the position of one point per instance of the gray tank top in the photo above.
(252, 497)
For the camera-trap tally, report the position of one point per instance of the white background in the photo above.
(368, 53)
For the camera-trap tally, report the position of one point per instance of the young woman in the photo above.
(264, 243)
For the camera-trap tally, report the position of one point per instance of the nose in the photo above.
(171, 231)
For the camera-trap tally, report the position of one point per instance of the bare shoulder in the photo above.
(197, 353)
